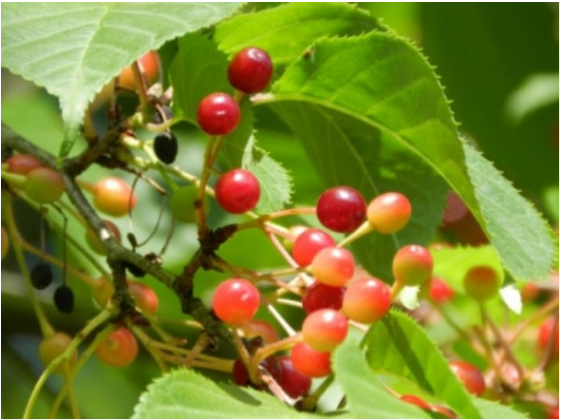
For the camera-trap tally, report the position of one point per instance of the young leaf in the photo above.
(274, 180)
(286, 31)
(388, 86)
(367, 397)
(184, 394)
(73, 49)
(398, 345)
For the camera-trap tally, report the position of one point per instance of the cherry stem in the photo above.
(140, 81)
(540, 313)
(311, 401)
(548, 356)
(362, 230)
(14, 179)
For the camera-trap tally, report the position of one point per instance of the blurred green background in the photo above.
(499, 65)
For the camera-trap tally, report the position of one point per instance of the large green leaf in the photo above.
(367, 397)
(184, 394)
(383, 83)
(286, 31)
(73, 49)
(493, 410)
(398, 345)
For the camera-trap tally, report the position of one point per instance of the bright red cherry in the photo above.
(259, 328)
(119, 348)
(321, 296)
(237, 191)
(333, 266)
(412, 265)
(341, 209)
(366, 300)
(470, 376)
(250, 70)
(310, 362)
(113, 196)
(308, 244)
(482, 282)
(236, 301)
(218, 114)
(389, 212)
(325, 329)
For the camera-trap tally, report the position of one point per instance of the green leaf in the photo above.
(274, 180)
(367, 397)
(398, 345)
(286, 31)
(389, 90)
(520, 236)
(198, 70)
(493, 410)
(184, 394)
(73, 49)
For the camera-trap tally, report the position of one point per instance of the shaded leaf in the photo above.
(493, 410)
(398, 345)
(73, 49)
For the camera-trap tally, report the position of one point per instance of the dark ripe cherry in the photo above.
(64, 299)
(250, 70)
(41, 276)
(240, 373)
(341, 209)
(165, 147)
(293, 383)
(321, 296)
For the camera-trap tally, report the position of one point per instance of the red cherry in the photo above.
(333, 266)
(293, 383)
(341, 209)
(440, 291)
(320, 296)
(310, 362)
(236, 301)
(22, 164)
(412, 265)
(482, 282)
(325, 329)
(151, 68)
(119, 348)
(545, 332)
(250, 70)
(470, 376)
(218, 114)
(366, 300)
(413, 399)
(389, 212)
(237, 191)
(44, 185)
(308, 244)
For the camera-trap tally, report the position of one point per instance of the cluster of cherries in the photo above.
(335, 293)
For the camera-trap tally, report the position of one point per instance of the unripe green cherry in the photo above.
(44, 185)
(54, 346)
(482, 282)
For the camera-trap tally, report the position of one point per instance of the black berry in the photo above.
(165, 147)
(64, 299)
(41, 276)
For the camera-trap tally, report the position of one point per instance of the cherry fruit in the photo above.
(321, 296)
(44, 185)
(237, 191)
(308, 244)
(119, 349)
(470, 376)
(150, 67)
(165, 147)
(54, 346)
(41, 276)
(144, 297)
(22, 164)
(389, 212)
(333, 266)
(218, 114)
(95, 243)
(250, 70)
(482, 282)
(341, 209)
(412, 265)
(236, 301)
(259, 328)
(293, 383)
(440, 291)
(546, 332)
(325, 329)
(113, 196)
(413, 399)
(310, 362)
(366, 300)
